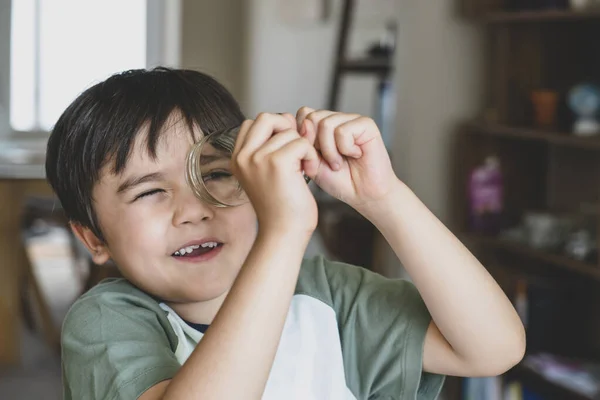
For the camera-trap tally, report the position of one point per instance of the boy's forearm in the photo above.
(469, 308)
(234, 358)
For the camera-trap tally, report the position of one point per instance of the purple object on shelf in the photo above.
(486, 194)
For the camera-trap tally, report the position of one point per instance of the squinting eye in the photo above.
(216, 175)
(148, 193)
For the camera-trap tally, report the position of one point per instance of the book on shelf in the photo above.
(538, 376)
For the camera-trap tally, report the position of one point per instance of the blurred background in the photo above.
(489, 110)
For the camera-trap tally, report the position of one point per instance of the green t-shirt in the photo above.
(349, 334)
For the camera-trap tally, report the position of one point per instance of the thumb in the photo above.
(309, 132)
(311, 162)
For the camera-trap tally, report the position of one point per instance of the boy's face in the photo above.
(148, 213)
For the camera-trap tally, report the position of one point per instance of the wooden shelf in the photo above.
(527, 133)
(543, 386)
(581, 268)
(367, 65)
(539, 16)
(542, 169)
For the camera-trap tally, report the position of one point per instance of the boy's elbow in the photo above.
(519, 349)
(515, 348)
(503, 357)
(511, 358)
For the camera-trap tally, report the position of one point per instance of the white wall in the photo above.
(290, 60)
(278, 65)
(4, 66)
(440, 80)
(213, 40)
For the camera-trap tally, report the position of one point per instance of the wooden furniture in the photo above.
(347, 235)
(379, 65)
(14, 264)
(34, 302)
(545, 169)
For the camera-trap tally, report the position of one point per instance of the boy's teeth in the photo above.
(186, 250)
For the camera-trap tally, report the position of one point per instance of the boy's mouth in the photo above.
(195, 250)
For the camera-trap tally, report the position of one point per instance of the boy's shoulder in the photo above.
(316, 275)
(116, 343)
(337, 283)
(319, 274)
(113, 285)
(381, 323)
(323, 279)
(118, 292)
(117, 303)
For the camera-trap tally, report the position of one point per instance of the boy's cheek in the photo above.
(141, 232)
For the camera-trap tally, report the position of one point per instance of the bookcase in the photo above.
(550, 173)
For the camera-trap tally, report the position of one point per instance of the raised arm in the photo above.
(234, 358)
(475, 329)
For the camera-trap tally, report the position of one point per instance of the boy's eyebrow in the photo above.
(133, 181)
(207, 159)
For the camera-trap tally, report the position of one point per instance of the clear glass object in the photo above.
(208, 170)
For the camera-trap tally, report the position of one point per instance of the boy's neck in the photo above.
(202, 312)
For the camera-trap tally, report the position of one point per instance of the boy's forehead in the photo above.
(173, 137)
(174, 140)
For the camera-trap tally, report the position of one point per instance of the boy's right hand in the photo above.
(268, 160)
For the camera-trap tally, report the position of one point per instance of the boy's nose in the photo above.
(191, 210)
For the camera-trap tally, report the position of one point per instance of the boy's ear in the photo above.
(95, 246)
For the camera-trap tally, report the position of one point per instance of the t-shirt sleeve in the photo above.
(116, 345)
(382, 325)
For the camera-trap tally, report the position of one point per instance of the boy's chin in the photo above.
(200, 292)
(196, 300)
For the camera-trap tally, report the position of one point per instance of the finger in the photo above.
(326, 145)
(329, 150)
(300, 149)
(327, 122)
(317, 116)
(244, 128)
(275, 143)
(345, 139)
(309, 131)
(301, 115)
(263, 128)
(290, 117)
(358, 131)
(345, 143)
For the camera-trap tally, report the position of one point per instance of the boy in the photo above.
(217, 302)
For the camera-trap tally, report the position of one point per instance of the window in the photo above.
(58, 48)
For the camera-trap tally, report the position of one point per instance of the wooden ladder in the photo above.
(380, 66)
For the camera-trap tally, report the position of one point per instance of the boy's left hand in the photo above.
(355, 166)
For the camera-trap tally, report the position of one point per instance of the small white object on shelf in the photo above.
(580, 5)
(584, 101)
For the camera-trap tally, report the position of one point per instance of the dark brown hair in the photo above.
(101, 125)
